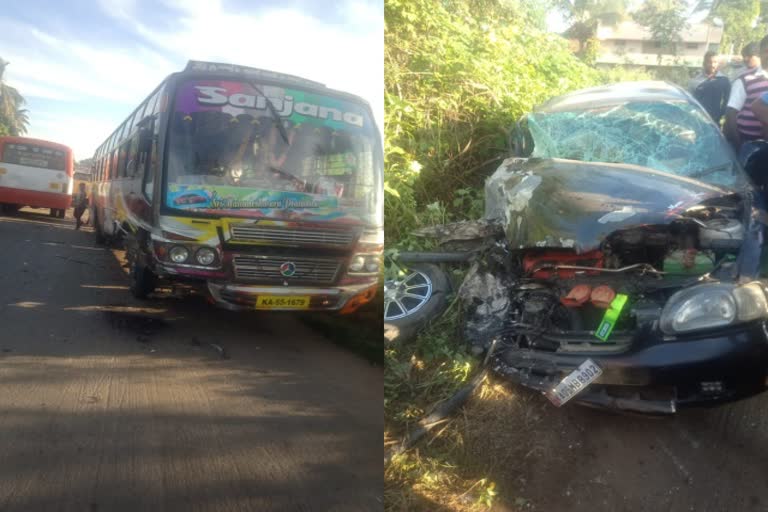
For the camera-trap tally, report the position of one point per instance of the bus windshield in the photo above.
(257, 150)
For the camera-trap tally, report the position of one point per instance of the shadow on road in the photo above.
(110, 403)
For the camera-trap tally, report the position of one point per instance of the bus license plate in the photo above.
(282, 302)
(574, 382)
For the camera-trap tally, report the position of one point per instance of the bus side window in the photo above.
(131, 157)
(149, 152)
(122, 159)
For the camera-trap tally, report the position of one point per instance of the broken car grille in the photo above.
(293, 270)
(298, 237)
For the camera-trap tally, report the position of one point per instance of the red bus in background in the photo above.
(35, 173)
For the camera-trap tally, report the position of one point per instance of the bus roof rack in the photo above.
(218, 67)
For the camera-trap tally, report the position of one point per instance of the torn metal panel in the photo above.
(485, 298)
(461, 231)
(551, 203)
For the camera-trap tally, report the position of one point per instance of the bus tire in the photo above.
(143, 281)
(54, 213)
(100, 239)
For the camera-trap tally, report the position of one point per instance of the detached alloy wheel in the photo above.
(413, 299)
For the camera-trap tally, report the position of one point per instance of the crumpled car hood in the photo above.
(553, 203)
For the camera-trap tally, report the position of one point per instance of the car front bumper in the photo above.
(709, 368)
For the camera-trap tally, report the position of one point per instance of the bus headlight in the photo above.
(364, 264)
(372, 264)
(357, 264)
(205, 256)
(178, 254)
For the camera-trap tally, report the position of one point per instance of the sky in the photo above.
(83, 66)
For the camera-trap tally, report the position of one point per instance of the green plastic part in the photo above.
(611, 316)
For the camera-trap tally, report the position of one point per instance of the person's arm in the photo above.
(725, 96)
(736, 101)
(760, 108)
(730, 130)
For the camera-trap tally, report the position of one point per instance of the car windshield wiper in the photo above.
(274, 113)
(711, 170)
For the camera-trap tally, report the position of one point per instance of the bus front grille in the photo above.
(321, 271)
(250, 233)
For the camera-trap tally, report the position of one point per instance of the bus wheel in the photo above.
(143, 281)
(100, 239)
(61, 213)
(54, 213)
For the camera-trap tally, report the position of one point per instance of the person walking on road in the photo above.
(711, 88)
(80, 203)
(741, 124)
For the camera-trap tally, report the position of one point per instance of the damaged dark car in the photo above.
(620, 262)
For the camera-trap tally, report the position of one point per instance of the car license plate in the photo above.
(282, 302)
(574, 383)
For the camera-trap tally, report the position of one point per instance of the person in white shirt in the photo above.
(741, 124)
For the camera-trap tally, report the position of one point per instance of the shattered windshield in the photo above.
(311, 154)
(670, 136)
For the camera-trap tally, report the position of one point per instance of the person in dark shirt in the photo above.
(711, 88)
(80, 203)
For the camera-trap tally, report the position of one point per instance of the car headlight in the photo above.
(178, 254)
(357, 264)
(205, 256)
(707, 306)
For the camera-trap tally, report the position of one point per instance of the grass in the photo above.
(477, 459)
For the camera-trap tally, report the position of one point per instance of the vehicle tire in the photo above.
(62, 213)
(414, 300)
(143, 281)
(54, 213)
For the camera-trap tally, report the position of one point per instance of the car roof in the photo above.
(615, 94)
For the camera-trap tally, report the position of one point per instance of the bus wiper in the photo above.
(274, 113)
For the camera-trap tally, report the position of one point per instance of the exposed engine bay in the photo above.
(555, 299)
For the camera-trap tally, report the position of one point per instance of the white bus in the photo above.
(35, 173)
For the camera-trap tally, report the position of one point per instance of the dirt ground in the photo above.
(110, 404)
(581, 459)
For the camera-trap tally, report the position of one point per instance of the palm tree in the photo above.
(13, 117)
(22, 120)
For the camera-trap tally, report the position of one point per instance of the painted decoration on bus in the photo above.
(292, 105)
(258, 203)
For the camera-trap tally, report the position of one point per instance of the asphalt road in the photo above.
(111, 404)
